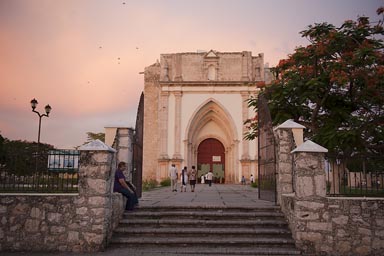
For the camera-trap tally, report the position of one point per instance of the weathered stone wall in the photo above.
(324, 225)
(151, 134)
(65, 222)
(228, 66)
(337, 226)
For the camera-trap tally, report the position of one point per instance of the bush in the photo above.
(254, 184)
(149, 184)
(166, 182)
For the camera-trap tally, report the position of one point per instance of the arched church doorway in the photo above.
(211, 156)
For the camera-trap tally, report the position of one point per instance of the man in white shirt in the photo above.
(209, 178)
(252, 179)
(173, 175)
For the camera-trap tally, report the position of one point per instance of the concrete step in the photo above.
(207, 208)
(129, 231)
(202, 223)
(207, 214)
(204, 231)
(208, 250)
(211, 240)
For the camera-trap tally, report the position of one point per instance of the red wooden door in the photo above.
(211, 153)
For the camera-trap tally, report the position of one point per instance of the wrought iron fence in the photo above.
(355, 176)
(53, 171)
(267, 152)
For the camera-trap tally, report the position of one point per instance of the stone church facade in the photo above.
(194, 112)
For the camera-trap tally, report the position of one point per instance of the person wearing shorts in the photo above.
(192, 178)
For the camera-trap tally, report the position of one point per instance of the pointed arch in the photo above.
(212, 120)
(212, 110)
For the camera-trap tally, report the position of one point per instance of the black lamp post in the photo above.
(47, 111)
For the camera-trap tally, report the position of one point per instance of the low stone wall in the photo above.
(336, 226)
(81, 222)
(323, 225)
(43, 222)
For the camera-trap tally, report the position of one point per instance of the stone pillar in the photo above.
(95, 205)
(311, 227)
(288, 137)
(284, 161)
(188, 148)
(234, 165)
(177, 145)
(193, 159)
(309, 171)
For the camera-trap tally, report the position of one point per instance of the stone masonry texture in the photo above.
(80, 222)
(324, 225)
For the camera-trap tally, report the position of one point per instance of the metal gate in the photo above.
(137, 161)
(266, 149)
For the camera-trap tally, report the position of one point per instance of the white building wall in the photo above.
(234, 77)
(191, 103)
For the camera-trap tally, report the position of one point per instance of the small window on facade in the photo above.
(211, 73)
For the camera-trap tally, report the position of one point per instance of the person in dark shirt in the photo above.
(121, 186)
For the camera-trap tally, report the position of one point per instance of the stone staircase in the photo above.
(204, 231)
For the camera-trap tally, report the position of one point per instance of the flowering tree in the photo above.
(334, 87)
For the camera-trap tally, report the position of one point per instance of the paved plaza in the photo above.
(218, 195)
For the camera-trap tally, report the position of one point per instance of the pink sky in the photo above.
(83, 57)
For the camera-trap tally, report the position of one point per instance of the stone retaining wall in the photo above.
(323, 225)
(80, 222)
(336, 226)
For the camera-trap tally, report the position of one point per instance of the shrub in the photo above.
(254, 184)
(166, 182)
(149, 184)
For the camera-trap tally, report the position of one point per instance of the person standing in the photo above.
(121, 186)
(192, 178)
(242, 180)
(184, 179)
(252, 179)
(209, 177)
(173, 175)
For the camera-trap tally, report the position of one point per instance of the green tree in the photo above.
(334, 87)
(20, 157)
(95, 136)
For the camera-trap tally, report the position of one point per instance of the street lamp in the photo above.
(47, 111)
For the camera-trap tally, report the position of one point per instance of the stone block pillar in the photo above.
(96, 202)
(311, 226)
(309, 171)
(289, 135)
